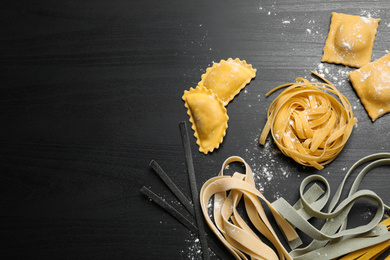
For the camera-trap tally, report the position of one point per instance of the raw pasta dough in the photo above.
(208, 117)
(335, 238)
(308, 124)
(206, 103)
(227, 78)
(372, 84)
(371, 252)
(230, 227)
(350, 40)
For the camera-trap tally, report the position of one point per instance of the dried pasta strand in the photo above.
(307, 123)
(183, 220)
(194, 189)
(230, 227)
(172, 186)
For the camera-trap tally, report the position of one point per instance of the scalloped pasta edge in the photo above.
(246, 82)
(199, 89)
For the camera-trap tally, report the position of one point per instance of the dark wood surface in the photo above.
(91, 93)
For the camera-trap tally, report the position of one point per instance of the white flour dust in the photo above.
(194, 250)
(268, 172)
(337, 75)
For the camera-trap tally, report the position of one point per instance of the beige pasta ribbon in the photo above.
(230, 227)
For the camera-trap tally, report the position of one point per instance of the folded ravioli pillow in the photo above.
(206, 103)
(227, 78)
(372, 84)
(208, 117)
(350, 40)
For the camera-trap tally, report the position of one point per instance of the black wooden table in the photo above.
(91, 93)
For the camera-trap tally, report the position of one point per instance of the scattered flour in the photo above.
(367, 214)
(370, 14)
(194, 250)
(268, 172)
(337, 75)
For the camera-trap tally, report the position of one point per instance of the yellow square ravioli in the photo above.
(350, 40)
(372, 84)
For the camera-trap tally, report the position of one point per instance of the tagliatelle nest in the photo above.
(307, 123)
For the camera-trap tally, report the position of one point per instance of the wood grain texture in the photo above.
(91, 93)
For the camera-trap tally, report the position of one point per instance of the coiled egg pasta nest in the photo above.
(308, 123)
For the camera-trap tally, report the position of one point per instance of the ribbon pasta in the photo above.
(334, 239)
(307, 123)
(372, 252)
(230, 227)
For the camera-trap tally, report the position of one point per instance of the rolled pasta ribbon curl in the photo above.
(307, 123)
(334, 239)
(230, 227)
